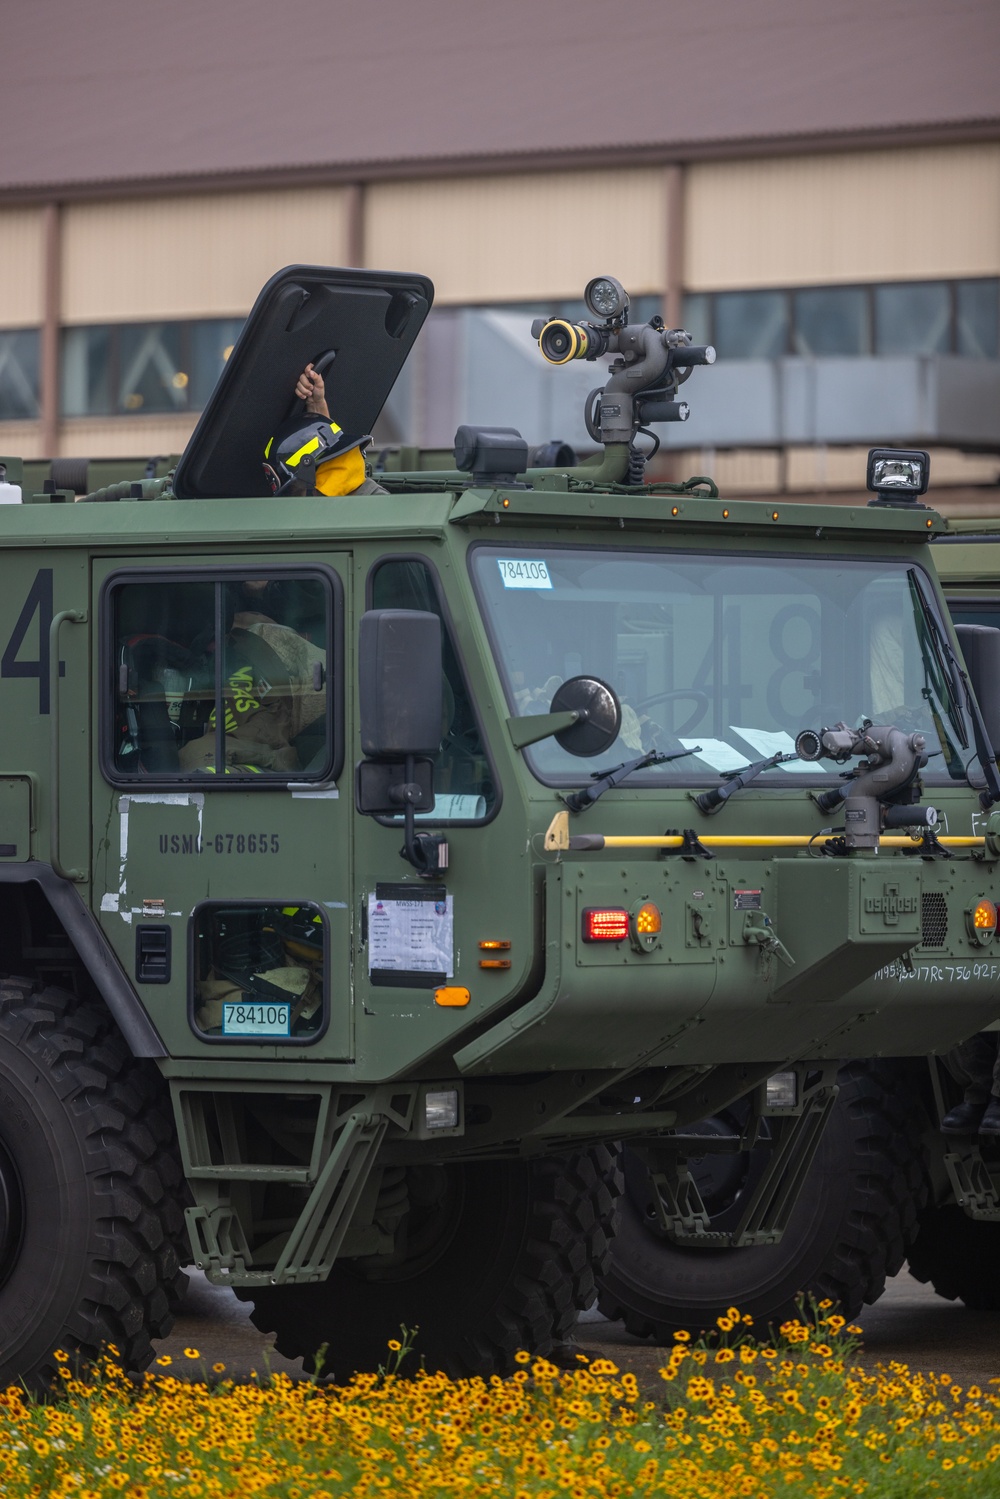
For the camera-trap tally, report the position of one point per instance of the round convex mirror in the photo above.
(600, 716)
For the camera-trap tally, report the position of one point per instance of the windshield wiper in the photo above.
(711, 801)
(946, 659)
(953, 674)
(587, 795)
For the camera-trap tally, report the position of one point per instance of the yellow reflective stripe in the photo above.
(267, 450)
(307, 447)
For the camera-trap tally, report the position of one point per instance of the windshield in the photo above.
(727, 656)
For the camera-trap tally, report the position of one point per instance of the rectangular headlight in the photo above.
(441, 1109)
(782, 1090)
(903, 472)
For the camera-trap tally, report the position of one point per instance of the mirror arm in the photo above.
(537, 726)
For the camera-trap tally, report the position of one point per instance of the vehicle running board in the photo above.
(973, 1184)
(678, 1203)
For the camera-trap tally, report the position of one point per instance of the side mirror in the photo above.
(981, 649)
(584, 719)
(400, 696)
(399, 683)
(599, 716)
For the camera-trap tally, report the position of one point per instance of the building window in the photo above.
(913, 318)
(831, 320)
(977, 319)
(908, 318)
(19, 374)
(751, 324)
(141, 369)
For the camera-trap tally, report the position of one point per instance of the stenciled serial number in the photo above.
(939, 973)
(221, 843)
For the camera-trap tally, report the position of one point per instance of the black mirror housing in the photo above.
(379, 787)
(400, 692)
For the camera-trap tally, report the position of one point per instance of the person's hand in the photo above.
(309, 387)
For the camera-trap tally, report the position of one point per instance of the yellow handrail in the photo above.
(558, 838)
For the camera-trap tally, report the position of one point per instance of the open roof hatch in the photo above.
(358, 326)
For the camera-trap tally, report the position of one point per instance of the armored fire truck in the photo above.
(371, 865)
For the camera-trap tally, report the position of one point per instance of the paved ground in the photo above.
(909, 1324)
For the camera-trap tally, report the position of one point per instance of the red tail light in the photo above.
(601, 924)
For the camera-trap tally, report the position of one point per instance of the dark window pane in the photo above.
(576, 311)
(211, 344)
(912, 319)
(19, 374)
(463, 785)
(274, 690)
(150, 374)
(977, 308)
(644, 308)
(831, 320)
(85, 371)
(751, 324)
(698, 317)
(259, 971)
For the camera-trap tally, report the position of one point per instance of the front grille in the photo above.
(933, 919)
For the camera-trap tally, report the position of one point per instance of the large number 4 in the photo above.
(39, 601)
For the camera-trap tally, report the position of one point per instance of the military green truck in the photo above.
(371, 865)
(886, 1185)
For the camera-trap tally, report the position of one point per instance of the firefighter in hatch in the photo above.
(310, 454)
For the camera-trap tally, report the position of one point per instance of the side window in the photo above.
(221, 677)
(259, 972)
(463, 782)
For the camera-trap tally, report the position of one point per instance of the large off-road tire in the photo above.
(91, 1205)
(501, 1256)
(849, 1230)
(959, 1256)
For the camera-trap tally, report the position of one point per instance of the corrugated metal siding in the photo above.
(125, 437)
(865, 216)
(192, 256)
(528, 237)
(22, 258)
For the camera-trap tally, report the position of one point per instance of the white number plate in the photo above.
(524, 572)
(245, 1019)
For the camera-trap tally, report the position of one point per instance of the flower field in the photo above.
(733, 1416)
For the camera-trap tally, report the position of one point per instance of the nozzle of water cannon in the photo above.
(560, 340)
(838, 743)
(808, 745)
(682, 356)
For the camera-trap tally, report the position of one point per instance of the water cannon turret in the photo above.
(650, 364)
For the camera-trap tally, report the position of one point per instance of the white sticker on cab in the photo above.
(524, 572)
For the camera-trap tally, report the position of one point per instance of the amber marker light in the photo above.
(982, 920)
(452, 997)
(725, 515)
(774, 515)
(648, 920)
(676, 510)
(601, 924)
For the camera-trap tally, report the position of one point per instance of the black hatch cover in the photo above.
(357, 326)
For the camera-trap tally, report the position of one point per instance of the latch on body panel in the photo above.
(757, 930)
(699, 925)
